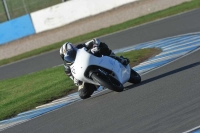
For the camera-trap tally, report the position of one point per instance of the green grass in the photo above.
(18, 8)
(138, 56)
(131, 23)
(26, 92)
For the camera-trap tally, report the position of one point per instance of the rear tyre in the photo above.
(107, 81)
(135, 77)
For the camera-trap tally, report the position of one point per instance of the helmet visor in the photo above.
(70, 54)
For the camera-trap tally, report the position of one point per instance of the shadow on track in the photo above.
(163, 75)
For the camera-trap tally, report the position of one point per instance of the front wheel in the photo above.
(86, 90)
(107, 81)
(134, 77)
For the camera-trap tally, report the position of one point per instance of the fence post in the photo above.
(25, 7)
(6, 8)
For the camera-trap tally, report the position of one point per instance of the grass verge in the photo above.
(131, 23)
(26, 92)
(18, 8)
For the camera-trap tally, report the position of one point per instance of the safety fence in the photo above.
(10, 9)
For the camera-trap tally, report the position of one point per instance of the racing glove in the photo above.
(93, 45)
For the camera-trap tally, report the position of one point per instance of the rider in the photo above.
(97, 48)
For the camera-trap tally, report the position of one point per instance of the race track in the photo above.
(177, 25)
(167, 100)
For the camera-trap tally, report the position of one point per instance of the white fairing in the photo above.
(84, 60)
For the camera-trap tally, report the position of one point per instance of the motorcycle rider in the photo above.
(97, 48)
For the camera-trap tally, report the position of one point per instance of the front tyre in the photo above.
(134, 77)
(86, 90)
(107, 81)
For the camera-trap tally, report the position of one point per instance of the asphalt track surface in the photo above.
(166, 101)
(181, 24)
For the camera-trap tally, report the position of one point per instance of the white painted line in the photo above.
(179, 45)
(193, 129)
(172, 61)
(171, 51)
(5, 126)
(160, 59)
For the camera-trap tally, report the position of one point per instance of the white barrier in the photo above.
(71, 11)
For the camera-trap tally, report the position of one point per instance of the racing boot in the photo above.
(124, 61)
(121, 59)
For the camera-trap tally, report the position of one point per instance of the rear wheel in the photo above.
(135, 77)
(107, 81)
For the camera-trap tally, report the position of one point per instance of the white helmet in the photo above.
(68, 52)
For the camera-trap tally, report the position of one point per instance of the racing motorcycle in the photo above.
(102, 71)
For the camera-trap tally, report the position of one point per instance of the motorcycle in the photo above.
(102, 71)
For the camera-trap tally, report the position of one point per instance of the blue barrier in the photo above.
(16, 28)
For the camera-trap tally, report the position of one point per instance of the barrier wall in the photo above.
(54, 17)
(71, 11)
(16, 28)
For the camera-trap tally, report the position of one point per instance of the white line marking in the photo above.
(193, 129)
(172, 61)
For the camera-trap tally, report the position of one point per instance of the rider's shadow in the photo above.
(163, 75)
